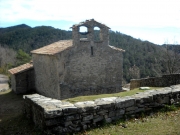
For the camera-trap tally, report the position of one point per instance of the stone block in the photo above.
(123, 102)
(139, 110)
(52, 112)
(67, 108)
(98, 118)
(120, 112)
(102, 112)
(72, 117)
(87, 118)
(86, 106)
(53, 121)
(108, 120)
(112, 114)
(132, 108)
(105, 102)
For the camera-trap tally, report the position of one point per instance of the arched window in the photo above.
(83, 30)
(97, 31)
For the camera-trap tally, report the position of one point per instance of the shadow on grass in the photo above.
(12, 120)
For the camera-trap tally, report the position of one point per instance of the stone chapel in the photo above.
(70, 68)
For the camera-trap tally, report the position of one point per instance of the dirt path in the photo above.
(4, 83)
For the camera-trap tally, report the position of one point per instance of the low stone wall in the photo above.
(60, 117)
(164, 81)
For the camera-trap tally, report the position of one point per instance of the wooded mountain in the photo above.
(145, 56)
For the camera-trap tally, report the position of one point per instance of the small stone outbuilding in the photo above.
(22, 78)
(81, 66)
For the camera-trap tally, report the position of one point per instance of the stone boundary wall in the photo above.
(60, 117)
(164, 81)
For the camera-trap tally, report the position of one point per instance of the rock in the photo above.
(105, 102)
(144, 88)
(85, 106)
(123, 102)
(124, 125)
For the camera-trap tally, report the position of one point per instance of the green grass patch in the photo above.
(120, 94)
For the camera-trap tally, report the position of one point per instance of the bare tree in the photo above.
(172, 59)
(7, 56)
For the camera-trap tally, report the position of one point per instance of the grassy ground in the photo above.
(12, 121)
(120, 94)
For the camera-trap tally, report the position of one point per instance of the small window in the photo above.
(83, 30)
(97, 34)
(92, 51)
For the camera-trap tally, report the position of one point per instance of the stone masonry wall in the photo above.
(87, 74)
(46, 75)
(164, 81)
(23, 82)
(60, 117)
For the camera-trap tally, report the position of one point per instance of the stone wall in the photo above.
(23, 82)
(60, 117)
(164, 81)
(46, 75)
(87, 74)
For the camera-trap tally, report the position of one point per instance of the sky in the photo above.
(157, 21)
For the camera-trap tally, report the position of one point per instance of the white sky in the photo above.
(154, 20)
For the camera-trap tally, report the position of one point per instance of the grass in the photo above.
(164, 122)
(120, 94)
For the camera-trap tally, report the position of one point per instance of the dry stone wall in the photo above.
(60, 117)
(164, 81)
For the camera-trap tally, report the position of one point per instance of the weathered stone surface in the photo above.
(112, 114)
(98, 118)
(105, 102)
(122, 102)
(88, 117)
(68, 108)
(72, 117)
(120, 112)
(132, 108)
(52, 111)
(108, 120)
(102, 112)
(54, 121)
(86, 106)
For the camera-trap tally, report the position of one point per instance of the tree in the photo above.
(172, 59)
(22, 57)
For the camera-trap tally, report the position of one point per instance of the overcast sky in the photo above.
(157, 21)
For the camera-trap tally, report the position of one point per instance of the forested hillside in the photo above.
(27, 38)
(141, 58)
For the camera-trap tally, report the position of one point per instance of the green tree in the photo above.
(22, 57)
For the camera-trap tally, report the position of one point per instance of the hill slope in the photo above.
(27, 38)
(147, 58)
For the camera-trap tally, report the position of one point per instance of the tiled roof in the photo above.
(21, 68)
(54, 48)
(115, 48)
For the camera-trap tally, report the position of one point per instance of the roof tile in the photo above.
(54, 48)
(21, 68)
